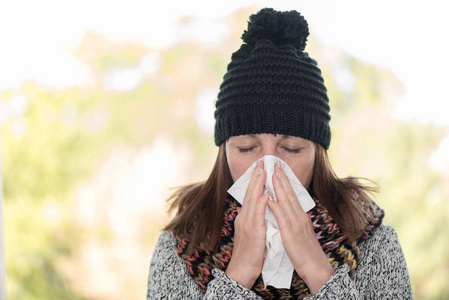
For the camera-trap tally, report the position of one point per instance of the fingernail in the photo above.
(271, 198)
(279, 165)
(258, 162)
(278, 175)
(260, 171)
(265, 191)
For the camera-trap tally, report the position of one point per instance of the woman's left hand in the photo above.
(297, 234)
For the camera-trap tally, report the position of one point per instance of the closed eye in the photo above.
(246, 150)
(297, 150)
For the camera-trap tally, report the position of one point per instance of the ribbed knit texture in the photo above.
(271, 85)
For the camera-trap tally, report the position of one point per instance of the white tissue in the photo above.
(277, 268)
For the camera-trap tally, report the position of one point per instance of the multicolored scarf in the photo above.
(333, 241)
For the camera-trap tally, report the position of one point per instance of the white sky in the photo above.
(408, 37)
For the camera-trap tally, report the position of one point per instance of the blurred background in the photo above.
(106, 105)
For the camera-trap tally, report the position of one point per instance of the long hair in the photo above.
(200, 206)
(341, 196)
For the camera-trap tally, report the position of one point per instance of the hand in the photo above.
(297, 234)
(250, 232)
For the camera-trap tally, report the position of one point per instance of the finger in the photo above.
(254, 188)
(280, 214)
(281, 193)
(289, 192)
(259, 196)
(259, 209)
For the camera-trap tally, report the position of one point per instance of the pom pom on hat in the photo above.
(280, 27)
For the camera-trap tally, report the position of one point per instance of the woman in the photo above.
(273, 102)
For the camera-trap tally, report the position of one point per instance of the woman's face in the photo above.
(298, 153)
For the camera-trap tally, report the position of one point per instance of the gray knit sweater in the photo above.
(381, 274)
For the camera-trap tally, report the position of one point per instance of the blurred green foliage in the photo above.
(63, 135)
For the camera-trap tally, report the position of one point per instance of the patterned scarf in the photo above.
(333, 241)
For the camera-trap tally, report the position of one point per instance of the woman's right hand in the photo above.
(250, 232)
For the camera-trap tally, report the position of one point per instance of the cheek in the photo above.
(237, 166)
(303, 169)
(235, 173)
(307, 177)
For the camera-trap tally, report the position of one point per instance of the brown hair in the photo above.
(200, 206)
(341, 196)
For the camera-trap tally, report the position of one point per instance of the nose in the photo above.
(269, 151)
(269, 146)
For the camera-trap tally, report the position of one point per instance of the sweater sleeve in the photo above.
(381, 272)
(169, 279)
(223, 287)
(339, 286)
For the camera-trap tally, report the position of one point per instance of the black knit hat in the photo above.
(272, 85)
